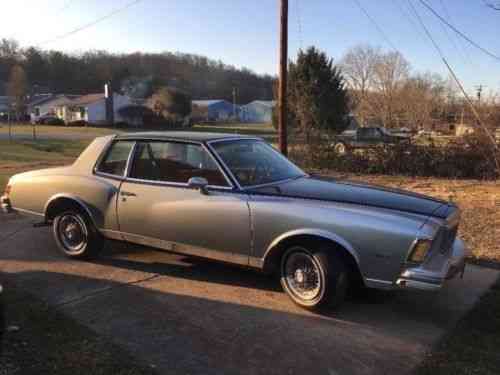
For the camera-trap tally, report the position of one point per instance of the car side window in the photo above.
(175, 162)
(115, 161)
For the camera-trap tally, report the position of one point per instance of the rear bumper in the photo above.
(5, 204)
(432, 279)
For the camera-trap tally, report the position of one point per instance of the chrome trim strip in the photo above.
(209, 143)
(168, 183)
(172, 184)
(185, 249)
(379, 281)
(112, 234)
(128, 165)
(221, 162)
(22, 210)
(313, 232)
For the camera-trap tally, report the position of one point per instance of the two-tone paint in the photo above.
(376, 227)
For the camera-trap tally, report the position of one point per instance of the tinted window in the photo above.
(115, 160)
(175, 162)
(255, 162)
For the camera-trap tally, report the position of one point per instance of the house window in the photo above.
(83, 112)
(37, 111)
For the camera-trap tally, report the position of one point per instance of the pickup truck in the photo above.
(365, 138)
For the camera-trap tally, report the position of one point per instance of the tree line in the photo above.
(385, 91)
(137, 74)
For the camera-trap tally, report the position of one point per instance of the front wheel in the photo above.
(76, 236)
(313, 279)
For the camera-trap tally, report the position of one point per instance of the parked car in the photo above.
(236, 199)
(49, 120)
(363, 138)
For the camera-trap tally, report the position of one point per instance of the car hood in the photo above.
(328, 189)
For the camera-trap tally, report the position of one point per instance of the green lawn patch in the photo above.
(473, 347)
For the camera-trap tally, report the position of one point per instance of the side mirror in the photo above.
(198, 183)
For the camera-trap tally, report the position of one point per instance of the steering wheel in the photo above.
(261, 171)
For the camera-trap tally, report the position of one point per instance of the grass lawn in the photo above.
(22, 156)
(263, 130)
(473, 347)
(26, 129)
(48, 342)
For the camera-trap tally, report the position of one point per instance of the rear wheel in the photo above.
(313, 279)
(76, 235)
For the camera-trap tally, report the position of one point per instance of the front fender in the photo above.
(320, 233)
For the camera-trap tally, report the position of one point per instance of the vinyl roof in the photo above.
(182, 136)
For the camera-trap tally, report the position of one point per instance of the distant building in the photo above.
(213, 110)
(258, 111)
(94, 109)
(46, 104)
(4, 105)
(463, 129)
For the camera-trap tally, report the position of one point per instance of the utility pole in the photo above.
(479, 89)
(234, 103)
(283, 62)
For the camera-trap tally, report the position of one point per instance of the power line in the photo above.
(424, 3)
(379, 29)
(93, 23)
(452, 38)
(455, 78)
(66, 5)
(462, 48)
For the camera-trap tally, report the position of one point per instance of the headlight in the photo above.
(420, 251)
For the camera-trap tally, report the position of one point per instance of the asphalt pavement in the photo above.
(184, 315)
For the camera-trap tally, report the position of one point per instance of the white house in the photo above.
(42, 105)
(258, 111)
(92, 108)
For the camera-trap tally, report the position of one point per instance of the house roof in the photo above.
(52, 99)
(87, 99)
(266, 103)
(40, 99)
(183, 136)
(207, 103)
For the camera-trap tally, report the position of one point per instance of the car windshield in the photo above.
(254, 162)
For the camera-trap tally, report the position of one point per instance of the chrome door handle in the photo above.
(127, 194)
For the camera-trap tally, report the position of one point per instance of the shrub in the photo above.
(472, 157)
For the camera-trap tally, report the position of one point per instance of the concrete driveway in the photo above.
(189, 316)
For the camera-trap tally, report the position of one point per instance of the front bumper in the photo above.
(5, 204)
(432, 277)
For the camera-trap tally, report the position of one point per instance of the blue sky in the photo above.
(245, 33)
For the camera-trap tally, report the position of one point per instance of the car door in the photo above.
(158, 208)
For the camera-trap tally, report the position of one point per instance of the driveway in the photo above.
(183, 315)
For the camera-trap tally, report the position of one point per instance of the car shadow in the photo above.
(200, 335)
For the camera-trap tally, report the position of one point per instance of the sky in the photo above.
(245, 33)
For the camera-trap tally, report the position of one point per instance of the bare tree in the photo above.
(391, 72)
(17, 88)
(422, 99)
(358, 66)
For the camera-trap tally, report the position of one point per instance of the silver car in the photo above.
(236, 199)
